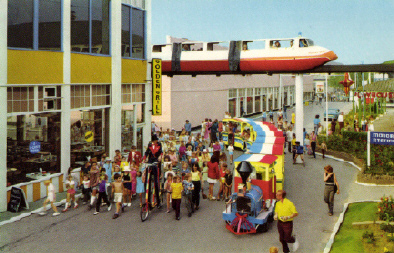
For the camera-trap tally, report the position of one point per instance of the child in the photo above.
(323, 148)
(169, 172)
(117, 192)
(194, 158)
(102, 162)
(184, 170)
(102, 195)
(189, 152)
(205, 172)
(228, 184)
(221, 143)
(86, 190)
(127, 186)
(108, 168)
(116, 170)
(188, 190)
(70, 185)
(231, 152)
(140, 186)
(167, 188)
(222, 173)
(299, 152)
(124, 163)
(51, 198)
(133, 174)
(176, 189)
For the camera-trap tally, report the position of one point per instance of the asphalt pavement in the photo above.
(80, 230)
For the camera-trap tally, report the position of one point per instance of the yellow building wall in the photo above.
(134, 71)
(34, 67)
(90, 69)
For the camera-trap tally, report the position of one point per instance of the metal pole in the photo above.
(362, 83)
(369, 149)
(280, 92)
(299, 110)
(326, 106)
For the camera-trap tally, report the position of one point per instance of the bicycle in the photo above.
(150, 204)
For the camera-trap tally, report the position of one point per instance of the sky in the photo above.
(358, 31)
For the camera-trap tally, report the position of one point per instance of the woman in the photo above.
(316, 123)
(206, 130)
(331, 187)
(313, 140)
(213, 175)
(197, 181)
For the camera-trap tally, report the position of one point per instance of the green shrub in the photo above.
(369, 236)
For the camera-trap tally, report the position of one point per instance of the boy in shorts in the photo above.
(117, 192)
(51, 198)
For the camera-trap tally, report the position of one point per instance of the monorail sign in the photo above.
(374, 94)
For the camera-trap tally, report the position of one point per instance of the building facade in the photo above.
(73, 84)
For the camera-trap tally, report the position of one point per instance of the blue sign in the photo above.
(35, 147)
(382, 138)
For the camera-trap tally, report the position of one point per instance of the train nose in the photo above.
(331, 55)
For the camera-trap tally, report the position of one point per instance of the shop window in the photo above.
(80, 96)
(127, 127)
(20, 99)
(232, 93)
(90, 26)
(126, 93)
(87, 136)
(232, 105)
(140, 113)
(133, 32)
(101, 95)
(49, 98)
(257, 103)
(41, 131)
(138, 93)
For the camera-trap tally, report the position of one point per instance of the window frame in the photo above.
(91, 30)
(131, 7)
(36, 28)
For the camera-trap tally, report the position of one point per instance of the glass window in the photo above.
(20, 99)
(50, 25)
(138, 35)
(80, 25)
(125, 31)
(100, 26)
(232, 105)
(127, 126)
(20, 23)
(83, 19)
(42, 128)
(140, 113)
(138, 92)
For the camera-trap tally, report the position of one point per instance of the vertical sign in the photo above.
(156, 89)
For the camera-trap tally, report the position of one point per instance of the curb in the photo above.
(339, 223)
(38, 210)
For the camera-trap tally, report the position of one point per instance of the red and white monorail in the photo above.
(281, 55)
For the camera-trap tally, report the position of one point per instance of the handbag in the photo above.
(335, 188)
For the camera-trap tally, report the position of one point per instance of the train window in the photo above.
(310, 42)
(217, 46)
(281, 43)
(156, 48)
(192, 47)
(255, 44)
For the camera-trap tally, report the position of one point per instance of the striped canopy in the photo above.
(268, 159)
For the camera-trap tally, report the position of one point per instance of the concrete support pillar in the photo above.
(148, 86)
(3, 105)
(299, 108)
(115, 112)
(65, 119)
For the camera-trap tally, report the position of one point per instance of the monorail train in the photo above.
(270, 55)
(259, 174)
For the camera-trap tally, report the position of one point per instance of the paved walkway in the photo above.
(385, 123)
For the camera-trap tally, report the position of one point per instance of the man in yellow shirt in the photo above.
(285, 212)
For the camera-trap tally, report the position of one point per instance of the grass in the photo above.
(349, 239)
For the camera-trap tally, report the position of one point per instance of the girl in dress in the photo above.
(133, 174)
(167, 188)
(140, 186)
(70, 185)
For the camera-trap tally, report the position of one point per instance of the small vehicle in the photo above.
(149, 204)
(332, 114)
(251, 206)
